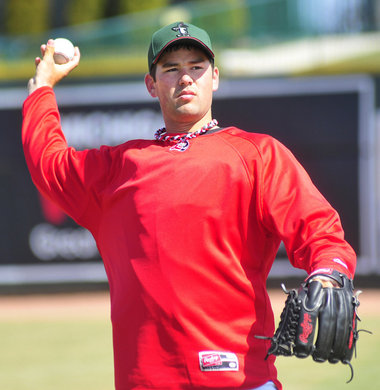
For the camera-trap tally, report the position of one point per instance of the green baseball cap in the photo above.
(175, 32)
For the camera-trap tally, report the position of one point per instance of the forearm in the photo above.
(68, 177)
(296, 211)
(42, 137)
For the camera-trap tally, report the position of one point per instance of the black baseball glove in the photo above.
(335, 311)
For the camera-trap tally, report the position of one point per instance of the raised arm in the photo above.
(68, 177)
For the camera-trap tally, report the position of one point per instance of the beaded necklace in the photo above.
(160, 133)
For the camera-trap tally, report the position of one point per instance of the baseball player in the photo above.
(188, 223)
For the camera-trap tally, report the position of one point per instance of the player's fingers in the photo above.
(42, 49)
(49, 50)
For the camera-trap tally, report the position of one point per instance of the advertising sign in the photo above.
(325, 122)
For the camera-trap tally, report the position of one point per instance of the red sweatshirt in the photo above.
(187, 239)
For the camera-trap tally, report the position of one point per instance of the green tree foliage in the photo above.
(26, 16)
(127, 6)
(82, 11)
(226, 26)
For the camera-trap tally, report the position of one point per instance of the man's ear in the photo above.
(150, 85)
(215, 79)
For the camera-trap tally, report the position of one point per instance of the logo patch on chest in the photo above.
(181, 146)
(218, 361)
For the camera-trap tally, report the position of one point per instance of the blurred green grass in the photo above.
(76, 354)
(56, 354)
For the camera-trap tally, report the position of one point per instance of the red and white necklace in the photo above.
(160, 134)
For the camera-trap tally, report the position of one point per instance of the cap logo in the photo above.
(181, 29)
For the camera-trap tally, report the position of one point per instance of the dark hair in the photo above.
(180, 45)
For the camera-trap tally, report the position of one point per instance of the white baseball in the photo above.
(63, 51)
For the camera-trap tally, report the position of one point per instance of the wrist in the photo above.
(326, 281)
(327, 276)
(34, 84)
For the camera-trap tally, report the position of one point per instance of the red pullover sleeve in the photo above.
(72, 179)
(307, 224)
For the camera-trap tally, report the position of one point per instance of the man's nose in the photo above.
(185, 78)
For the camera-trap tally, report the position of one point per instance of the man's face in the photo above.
(185, 82)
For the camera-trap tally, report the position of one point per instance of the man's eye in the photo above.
(171, 70)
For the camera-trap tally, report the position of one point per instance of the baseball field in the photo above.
(64, 341)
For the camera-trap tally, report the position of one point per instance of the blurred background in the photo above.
(290, 36)
(304, 71)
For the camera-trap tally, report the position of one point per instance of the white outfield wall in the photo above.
(47, 251)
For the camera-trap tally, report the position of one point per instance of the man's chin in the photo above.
(187, 113)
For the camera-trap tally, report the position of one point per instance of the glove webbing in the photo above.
(282, 341)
